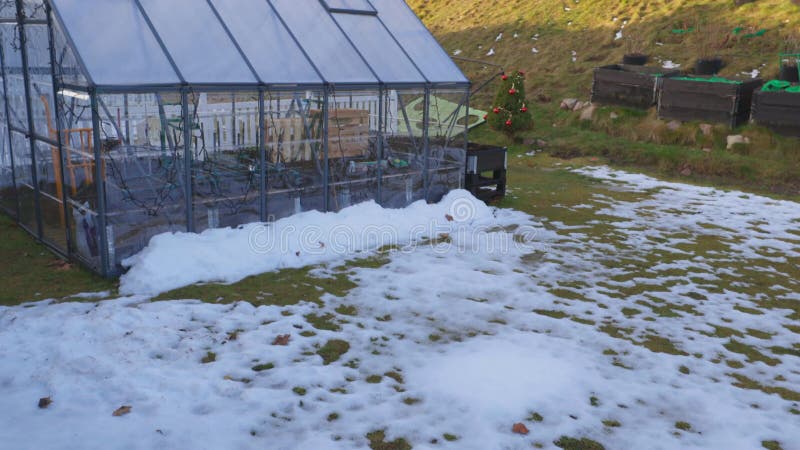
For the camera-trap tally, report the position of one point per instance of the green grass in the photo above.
(30, 272)
(299, 390)
(634, 138)
(377, 441)
(209, 358)
(263, 367)
(283, 288)
(570, 443)
(587, 28)
(333, 350)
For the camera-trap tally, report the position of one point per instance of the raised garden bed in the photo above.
(707, 99)
(627, 85)
(778, 110)
(486, 171)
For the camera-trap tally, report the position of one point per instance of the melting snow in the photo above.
(494, 361)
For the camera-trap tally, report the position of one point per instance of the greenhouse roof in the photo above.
(155, 43)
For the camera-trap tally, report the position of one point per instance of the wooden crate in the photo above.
(778, 111)
(348, 132)
(689, 100)
(286, 140)
(634, 86)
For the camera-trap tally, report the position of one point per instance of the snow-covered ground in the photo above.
(629, 329)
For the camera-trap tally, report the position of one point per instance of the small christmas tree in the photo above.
(510, 112)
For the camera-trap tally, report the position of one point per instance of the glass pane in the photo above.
(21, 148)
(265, 41)
(324, 42)
(446, 127)
(403, 181)
(353, 157)
(115, 42)
(379, 49)
(33, 9)
(197, 42)
(67, 68)
(226, 162)
(8, 195)
(418, 42)
(144, 167)
(8, 9)
(16, 82)
(51, 189)
(41, 80)
(78, 166)
(350, 5)
(295, 173)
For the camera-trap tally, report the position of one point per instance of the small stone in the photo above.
(706, 128)
(569, 103)
(44, 402)
(707, 150)
(614, 116)
(737, 139)
(588, 113)
(578, 106)
(673, 125)
(686, 172)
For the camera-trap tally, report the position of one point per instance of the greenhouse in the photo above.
(124, 119)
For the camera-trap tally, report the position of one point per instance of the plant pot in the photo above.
(789, 73)
(707, 66)
(635, 59)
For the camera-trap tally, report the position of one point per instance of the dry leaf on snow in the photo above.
(121, 411)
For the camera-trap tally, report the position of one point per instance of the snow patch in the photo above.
(227, 255)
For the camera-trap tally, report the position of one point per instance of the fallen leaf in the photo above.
(520, 428)
(44, 402)
(282, 340)
(121, 411)
(448, 217)
(60, 265)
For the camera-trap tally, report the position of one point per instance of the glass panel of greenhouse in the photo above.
(124, 119)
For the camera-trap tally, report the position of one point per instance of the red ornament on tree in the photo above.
(524, 109)
(512, 91)
(504, 77)
(496, 110)
(509, 123)
(522, 73)
(485, 116)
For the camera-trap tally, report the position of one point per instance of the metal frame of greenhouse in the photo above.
(123, 119)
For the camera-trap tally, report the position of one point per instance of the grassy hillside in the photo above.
(589, 29)
(572, 37)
